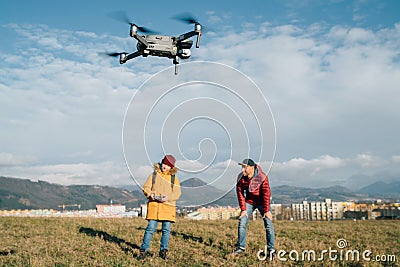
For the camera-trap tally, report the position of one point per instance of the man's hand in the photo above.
(152, 196)
(243, 213)
(268, 215)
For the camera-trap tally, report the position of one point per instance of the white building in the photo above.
(276, 210)
(112, 208)
(317, 211)
(143, 209)
(300, 211)
(195, 215)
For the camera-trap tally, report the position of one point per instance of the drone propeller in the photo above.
(186, 18)
(121, 16)
(144, 29)
(190, 19)
(115, 54)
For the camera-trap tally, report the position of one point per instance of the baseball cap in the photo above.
(248, 162)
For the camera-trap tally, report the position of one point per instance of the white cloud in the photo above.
(213, 18)
(359, 35)
(311, 167)
(328, 170)
(396, 159)
(368, 161)
(102, 173)
(141, 173)
(7, 160)
(327, 161)
(190, 165)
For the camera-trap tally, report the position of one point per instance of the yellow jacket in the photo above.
(162, 211)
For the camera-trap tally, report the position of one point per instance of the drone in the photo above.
(153, 44)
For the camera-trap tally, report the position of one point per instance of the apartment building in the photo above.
(317, 210)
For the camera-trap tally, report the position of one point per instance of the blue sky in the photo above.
(91, 16)
(329, 70)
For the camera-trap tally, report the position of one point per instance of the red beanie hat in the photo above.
(169, 160)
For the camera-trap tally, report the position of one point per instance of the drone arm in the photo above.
(188, 35)
(140, 39)
(130, 56)
(133, 55)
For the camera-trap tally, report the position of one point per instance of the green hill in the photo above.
(25, 194)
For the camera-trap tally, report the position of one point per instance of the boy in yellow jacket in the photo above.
(162, 188)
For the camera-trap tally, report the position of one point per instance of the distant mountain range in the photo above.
(292, 194)
(382, 189)
(18, 193)
(208, 194)
(24, 194)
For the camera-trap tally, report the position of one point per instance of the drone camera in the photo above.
(184, 53)
(186, 44)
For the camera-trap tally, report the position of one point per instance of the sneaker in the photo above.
(142, 255)
(238, 251)
(163, 254)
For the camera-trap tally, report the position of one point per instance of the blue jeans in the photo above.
(148, 234)
(242, 228)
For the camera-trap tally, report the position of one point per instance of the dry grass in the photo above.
(115, 242)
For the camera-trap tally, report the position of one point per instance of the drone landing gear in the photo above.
(176, 62)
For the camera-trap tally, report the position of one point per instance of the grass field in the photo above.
(115, 242)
